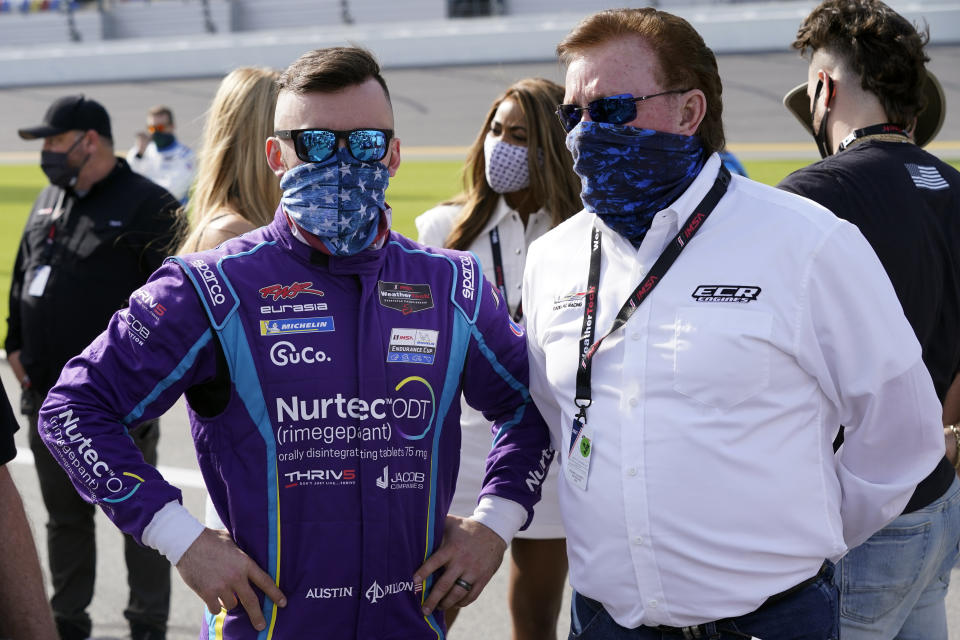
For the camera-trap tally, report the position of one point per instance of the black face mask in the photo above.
(163, 140)
(56, 166)
(821, 133)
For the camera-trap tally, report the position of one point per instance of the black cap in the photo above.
(71, 113)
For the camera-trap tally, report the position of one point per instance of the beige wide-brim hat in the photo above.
(928, 122)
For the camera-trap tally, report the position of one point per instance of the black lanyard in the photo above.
(886, 129)
(589, 348)
(498, 272)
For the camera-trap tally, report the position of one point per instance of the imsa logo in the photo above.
(725, 293)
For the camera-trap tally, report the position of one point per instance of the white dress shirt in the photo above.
(433, 227)
(713, 482)
(172, 168)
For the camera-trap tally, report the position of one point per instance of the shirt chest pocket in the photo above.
(721, 356)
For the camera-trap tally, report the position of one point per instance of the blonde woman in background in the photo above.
(235, 191)
(518, 184)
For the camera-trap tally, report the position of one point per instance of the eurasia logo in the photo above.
(726, 293)
(376, 592)
(283, 353)
(288, 291)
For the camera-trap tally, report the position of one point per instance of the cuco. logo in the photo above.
(284, 353)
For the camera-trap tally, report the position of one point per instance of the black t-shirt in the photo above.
(8, 426)
(906, 202)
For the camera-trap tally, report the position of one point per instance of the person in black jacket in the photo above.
(871, 105)
(94, 236)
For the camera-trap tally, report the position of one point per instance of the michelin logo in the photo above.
(288, 326)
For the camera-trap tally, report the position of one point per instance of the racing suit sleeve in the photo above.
(495, 382)
(853, 337)
(148, 356)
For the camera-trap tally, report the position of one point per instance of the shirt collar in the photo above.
(502, 211)
(673, 215)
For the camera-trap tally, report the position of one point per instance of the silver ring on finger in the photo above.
(463, 584)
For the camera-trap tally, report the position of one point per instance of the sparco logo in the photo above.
(287, 292)
(210, 282)
(284, 353)
(376, 592)
(468, 277)
(725, 293)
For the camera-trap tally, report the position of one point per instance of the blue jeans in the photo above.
(894, 584)
(811, 613)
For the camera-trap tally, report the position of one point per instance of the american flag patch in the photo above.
(926, 177)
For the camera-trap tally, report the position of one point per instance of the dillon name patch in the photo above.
(725, 293)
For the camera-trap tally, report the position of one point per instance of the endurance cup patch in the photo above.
(417, 346)
(725, 293)
(405, 298)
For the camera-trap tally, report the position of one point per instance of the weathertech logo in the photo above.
(725, 293)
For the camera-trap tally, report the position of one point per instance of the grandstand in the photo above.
(45, 42)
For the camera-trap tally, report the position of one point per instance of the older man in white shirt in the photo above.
(696, 341)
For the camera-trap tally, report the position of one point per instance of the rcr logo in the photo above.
(283, 353)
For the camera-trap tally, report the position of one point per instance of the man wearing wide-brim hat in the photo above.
(871, 105)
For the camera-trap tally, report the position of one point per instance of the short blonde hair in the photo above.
(232, 172)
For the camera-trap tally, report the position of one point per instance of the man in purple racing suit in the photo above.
(322, 358)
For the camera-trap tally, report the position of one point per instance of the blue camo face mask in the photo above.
(338, 200)
(630, 174)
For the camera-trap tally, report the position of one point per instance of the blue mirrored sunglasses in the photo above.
(317, 145)
(619, 109)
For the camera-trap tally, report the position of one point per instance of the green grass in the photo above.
(417, 186)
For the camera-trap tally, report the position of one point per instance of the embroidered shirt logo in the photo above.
(926, 177)
(725, 293)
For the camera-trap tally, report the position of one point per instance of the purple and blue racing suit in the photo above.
(323, 395)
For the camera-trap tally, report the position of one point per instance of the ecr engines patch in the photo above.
(725, 293)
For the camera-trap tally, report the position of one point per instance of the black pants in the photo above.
(72, 551)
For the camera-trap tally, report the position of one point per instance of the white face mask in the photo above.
(506, 165)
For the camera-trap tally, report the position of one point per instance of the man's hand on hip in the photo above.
(469, 555)
(220, 573)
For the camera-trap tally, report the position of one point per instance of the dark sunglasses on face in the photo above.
(317, 145)
(619, 109)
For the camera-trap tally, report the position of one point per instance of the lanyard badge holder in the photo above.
(582, 434)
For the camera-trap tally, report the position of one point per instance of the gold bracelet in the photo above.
(956, 437)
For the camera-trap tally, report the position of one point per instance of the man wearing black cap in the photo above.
(94, 235)
(871, 105)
